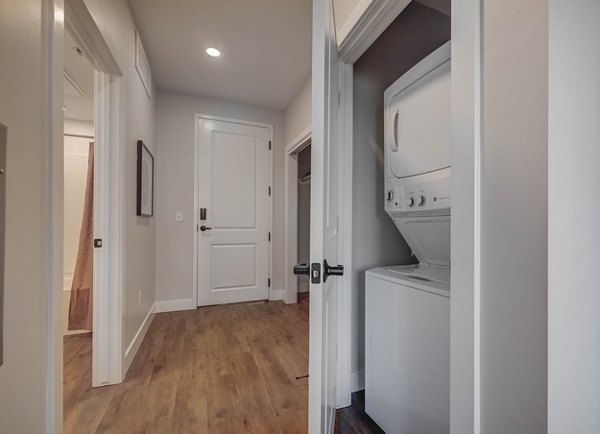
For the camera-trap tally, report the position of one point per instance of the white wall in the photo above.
(115, 21)
(375, 238)
(514, 217)
(298, 113)
(22, 376)
(175, 187)
(573, 228)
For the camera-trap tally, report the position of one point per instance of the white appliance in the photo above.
(407, 357)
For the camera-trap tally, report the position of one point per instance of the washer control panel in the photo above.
(428, 193)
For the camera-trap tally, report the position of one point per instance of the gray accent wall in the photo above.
(416, 32)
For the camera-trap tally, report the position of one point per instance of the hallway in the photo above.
(219, 369)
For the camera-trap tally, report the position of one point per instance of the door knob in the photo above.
(328, 270)
(205, 228)
(301, 269)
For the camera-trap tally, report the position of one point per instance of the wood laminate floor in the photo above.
(222, 369)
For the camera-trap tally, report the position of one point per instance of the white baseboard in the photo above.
(134, 346)
(277, 294)
(175, 305)
(358, 381)
(67, 281)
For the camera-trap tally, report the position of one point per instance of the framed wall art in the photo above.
(145, 181)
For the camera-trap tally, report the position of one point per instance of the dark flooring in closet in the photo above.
(353, 419)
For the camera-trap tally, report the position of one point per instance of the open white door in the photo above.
(324, 221)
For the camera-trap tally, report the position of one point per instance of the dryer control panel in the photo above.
(427, 194)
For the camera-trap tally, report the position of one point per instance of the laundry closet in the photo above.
(382, 212)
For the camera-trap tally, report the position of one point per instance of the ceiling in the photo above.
(78, 84)
(265, 47)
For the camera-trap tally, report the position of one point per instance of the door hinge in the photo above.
(269, 282)
(339, 98)
(269, 236)
(270, 145)
(269, 191)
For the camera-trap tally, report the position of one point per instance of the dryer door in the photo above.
(419, 125)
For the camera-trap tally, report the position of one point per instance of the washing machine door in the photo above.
(419, 125)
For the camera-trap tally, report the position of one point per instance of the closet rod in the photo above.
(81, 136)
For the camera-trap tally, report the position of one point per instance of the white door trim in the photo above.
(465, 382)
(290, 282)
(52, 146)
(365, 24)
(197, 117)
(108, 365)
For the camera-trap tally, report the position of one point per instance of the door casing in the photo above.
(109, 361)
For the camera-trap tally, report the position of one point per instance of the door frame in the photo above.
(290, 282)
(195, 253)
(107, 355)
(466, 23)
(108, 362)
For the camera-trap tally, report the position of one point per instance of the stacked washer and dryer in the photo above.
(407, 356)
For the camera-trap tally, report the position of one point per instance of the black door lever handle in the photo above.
(205, 228)
(328, 270)
(301, 269)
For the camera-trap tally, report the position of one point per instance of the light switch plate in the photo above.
(179, 216)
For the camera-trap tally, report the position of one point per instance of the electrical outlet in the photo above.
(139, 298)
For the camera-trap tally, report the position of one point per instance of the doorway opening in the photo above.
(297, 215)
(92, 194)
(78, 222)
(303, 226)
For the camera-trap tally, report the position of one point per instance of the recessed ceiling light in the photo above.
(213, 52)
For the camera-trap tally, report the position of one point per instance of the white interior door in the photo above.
(234, 216)
(324, 220)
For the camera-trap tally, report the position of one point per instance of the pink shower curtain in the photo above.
(80, 305)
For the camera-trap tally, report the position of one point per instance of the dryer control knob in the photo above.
(410, 201)
(421, 201)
